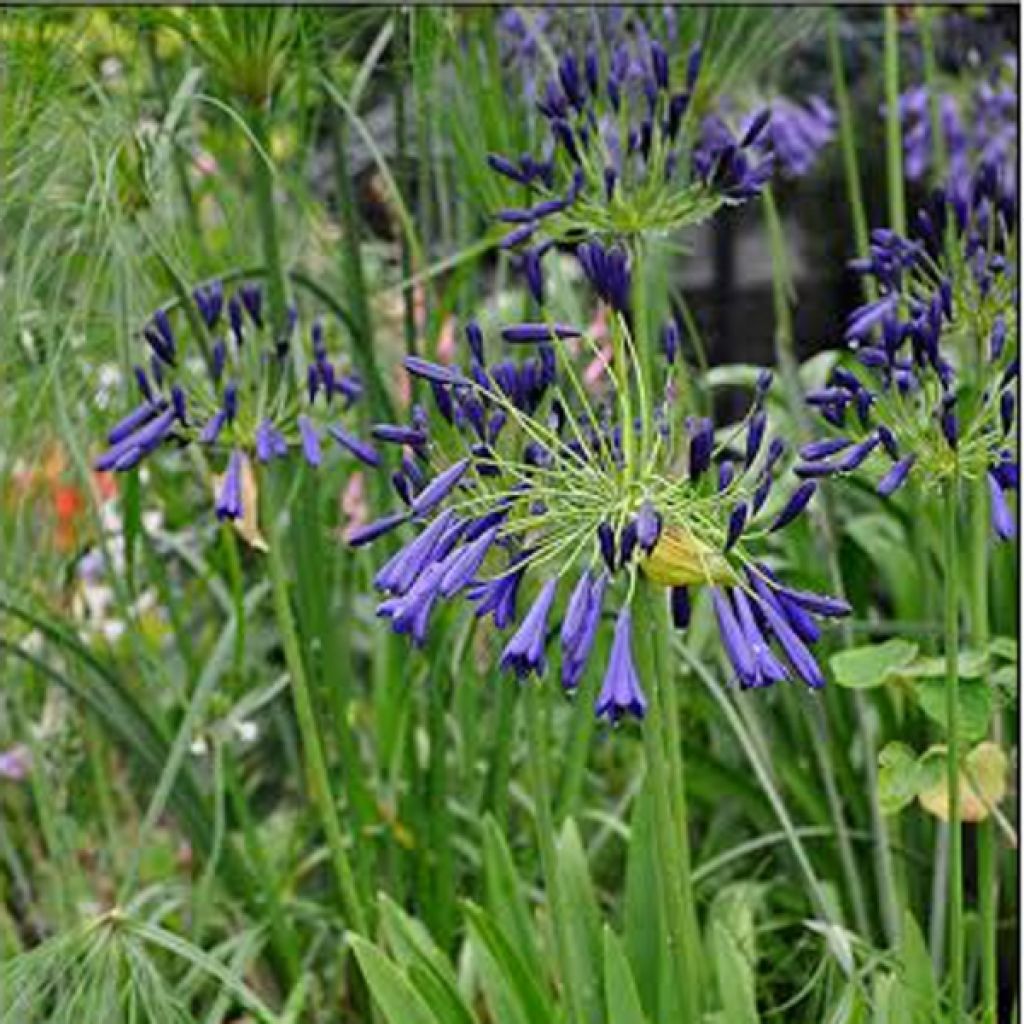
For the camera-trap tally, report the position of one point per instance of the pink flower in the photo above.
(15, 763)
(353, 505)
(446, 341)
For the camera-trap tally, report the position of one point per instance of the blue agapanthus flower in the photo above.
(624, 156)
(935, 391)
(980, 126)
(245, 399)
(541, 505)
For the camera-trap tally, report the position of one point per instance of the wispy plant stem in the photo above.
(951, 636)
(312, 744)
(893, 134)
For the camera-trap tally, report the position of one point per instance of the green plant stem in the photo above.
(312, 744)
(682, 934)
(934, 96)
(893, 134)
(540, 775)
(951, 593)
(266, 210)
(848, 144)
(988, 880)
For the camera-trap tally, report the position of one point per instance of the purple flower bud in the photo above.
(756, 126)
(701, 444)
(143, 383)
(178, 403)
(465, 564)
(737, 521)
(395, 433)
(269, 442)
(659, 64)
(440, 487)
(137, 418)
(360, 449)
(693, 63)
(621, 692)
(998, 340)
(213, 427)
(310, 441)
(532, 333)
(733, 640)
(680, 607)
(796, 504)
(606, 541)
(577, 646)
(1006, 410)
(896, 476)
(610, 178)
(648, 527)
(506, 167)
(371, 531)
(252, 299)
(888, 439)
(755, 436)
(1003, 521)
(229, 500)
(670, 341)
(428, 370)
(823, 449)
(516, 237)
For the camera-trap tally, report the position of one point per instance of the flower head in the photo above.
(933, 394)
(543, 507)
(245, 399)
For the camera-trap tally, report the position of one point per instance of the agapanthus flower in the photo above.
(625, 156)
(542, 509)
(245, 400)
(798, 133)
(980, 126)
(934, 394)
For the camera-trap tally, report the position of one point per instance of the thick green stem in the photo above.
(312, 744)
(682, 934)
(988, 895)
(540, 772)
(951, 592)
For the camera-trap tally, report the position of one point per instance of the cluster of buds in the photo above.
(570, 499)
(245, 399)
(934, 390)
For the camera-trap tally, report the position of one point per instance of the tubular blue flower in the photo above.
(439, 488)
(577, 649)
(621, 693)
(896, 476)
(269, 442)
(360, 449)
(1003, 522)
(795, 505)
(229, 499)
(524, 653)
(310, 441)
(466, 563)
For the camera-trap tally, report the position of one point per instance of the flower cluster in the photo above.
(623, 158)
(934, 392)
(980, 128)
(244, 398)
(523, 484)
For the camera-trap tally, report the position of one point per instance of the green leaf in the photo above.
(513, 992)
(412, 946)
(398, 1000)
(584, 921)
(970, 665)
(622, 1001)
(872, 665)
(735, 974)
(974, 700)
(1004, 647)
(915, 998)
(897, 777)
(506, 900)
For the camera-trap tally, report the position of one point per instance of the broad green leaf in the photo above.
(583, 921)
(398, 1000)
(982, 782)
(445, 1002)
(872, 665)
(970, 665)
(513, 992)
(505, 897)
(897, 777)
(1004, 647)
(915, 996)
(974, 700)
(622, 1001)
(884, 540)
(735, 973)
(410, 942)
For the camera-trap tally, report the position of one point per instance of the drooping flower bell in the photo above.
(544, 508)
(244, 400)
(935, 391)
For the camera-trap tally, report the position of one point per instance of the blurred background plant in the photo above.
(169, 850)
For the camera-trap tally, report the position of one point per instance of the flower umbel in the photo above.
(570, 497)
(246, 400)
